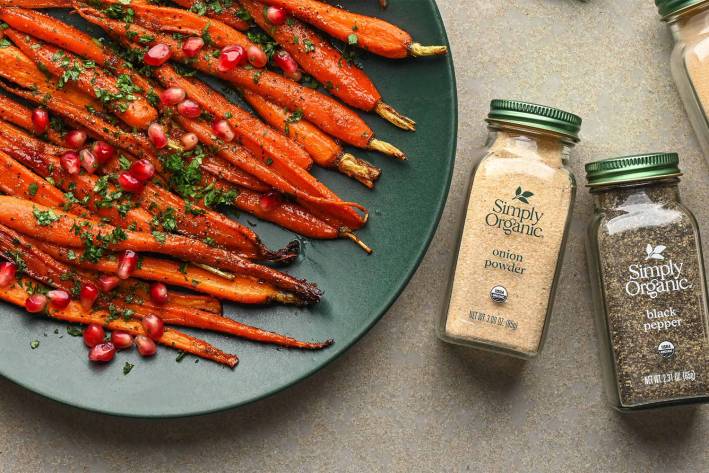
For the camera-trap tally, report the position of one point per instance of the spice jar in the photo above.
(689, 23)
(513, 231)
(647, 273)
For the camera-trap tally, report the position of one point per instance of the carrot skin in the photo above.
(320, 59)
(228, 15)
(243, 290)
(375, 35)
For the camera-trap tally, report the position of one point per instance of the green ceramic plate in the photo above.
(405, 209)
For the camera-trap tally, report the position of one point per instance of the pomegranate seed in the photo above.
(40, 120)
(157, 136)
(103, 151)
(143, 170)
(223, 130)
(102, 353)
(146, 347)
(269, 201)
(108, 282)
(8, 270)
(189, 141)
(70, 162)
(88, 161)
(158, 293)
(172, 96)
(122, 340)
(189, 109)
(256, 56)
(127, 264)
(75, 139)
(88, 295)
(231, 57)
(286, 62)
(129, 183)
(157, 55)
(58, 298)
(36, 303)
(93, 335)
(153, 325)
(192, 46)
(276, 15)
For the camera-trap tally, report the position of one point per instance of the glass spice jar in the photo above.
(647, 274)
(689, 23)
(513, 231)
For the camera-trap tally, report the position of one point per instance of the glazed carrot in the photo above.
(74, 313)
(239, 157)
(36, 3)
(222, 171)
(240, 289)
(177, 20)
(323, 111)
(55, 226)
(206, 321)
(324, 150)
(321, 60)
(375, 35)
(120, 95)
(226, 14)
(254, 135)
(134, 291)
(19, 181)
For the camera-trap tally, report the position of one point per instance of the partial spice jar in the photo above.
(689, 23)
(647, 274)
(513, 231)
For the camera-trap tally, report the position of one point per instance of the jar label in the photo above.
(656, 314)
(513, 231)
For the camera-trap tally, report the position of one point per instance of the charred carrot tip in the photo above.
(419, 50)
(387, 148)
(360, 243)
(358, 169)
(388, 113)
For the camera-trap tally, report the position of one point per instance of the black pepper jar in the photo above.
(647, 273)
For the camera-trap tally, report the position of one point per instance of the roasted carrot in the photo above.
(133, 295)
(135, 291)
(240, 289)
(119, 95)
(54, 31)
(17, 180)
(36, 3)
(74, 232)
(177, 20)
(324, 150)
(240, 157)
(321, 110)
(375, 35)
(206, 321)
(321, 60)
(254, 135)
(74, 313)
(225, 12)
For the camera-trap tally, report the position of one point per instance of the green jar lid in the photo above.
(535, 116)
(668, 8)
(640, 167)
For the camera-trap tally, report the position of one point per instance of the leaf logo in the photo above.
(655, 252)
(522, 196)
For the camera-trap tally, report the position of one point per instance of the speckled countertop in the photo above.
(400, 400)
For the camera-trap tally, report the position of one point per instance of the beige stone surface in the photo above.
(402, 401)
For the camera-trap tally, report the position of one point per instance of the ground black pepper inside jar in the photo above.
(648, 276)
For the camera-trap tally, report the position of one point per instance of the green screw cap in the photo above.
(625, 169)
(535, 116)
(668, 8)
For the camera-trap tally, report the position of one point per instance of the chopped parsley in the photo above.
(44, 217)
(127, 368)
(32, 189)
(34, 344)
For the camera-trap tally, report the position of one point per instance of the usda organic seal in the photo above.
(666, 349)
(498, 294)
